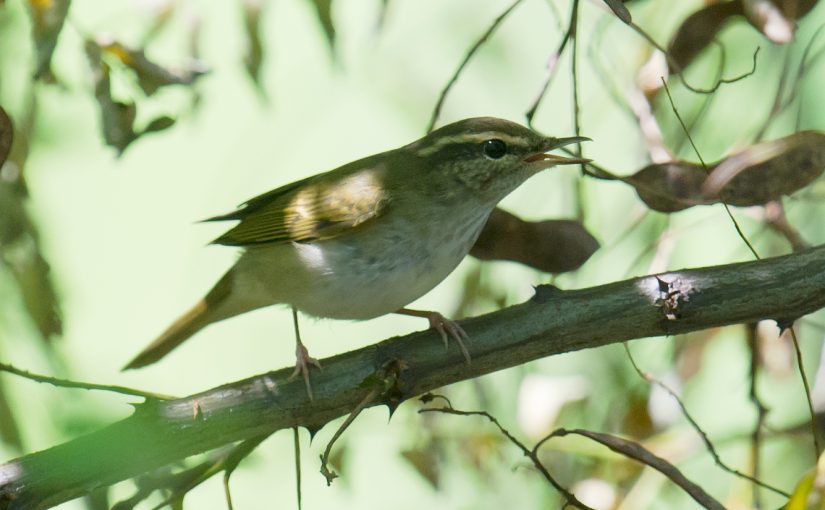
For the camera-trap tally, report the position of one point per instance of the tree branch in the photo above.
(552, 322)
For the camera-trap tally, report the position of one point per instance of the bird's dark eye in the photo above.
(495, 148)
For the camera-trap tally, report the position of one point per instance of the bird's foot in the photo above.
(445, 327)
(302, 366)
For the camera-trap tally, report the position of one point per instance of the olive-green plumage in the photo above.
(370, 237)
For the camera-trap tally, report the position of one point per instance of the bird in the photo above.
(368, 238)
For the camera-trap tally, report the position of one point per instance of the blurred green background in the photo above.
(127, 255)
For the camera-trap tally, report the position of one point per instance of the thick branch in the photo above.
(552, 322)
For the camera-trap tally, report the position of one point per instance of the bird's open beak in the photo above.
(554, 159)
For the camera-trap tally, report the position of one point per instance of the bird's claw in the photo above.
(448, 328)
(302, 367)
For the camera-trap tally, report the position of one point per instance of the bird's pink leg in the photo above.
(302, 358)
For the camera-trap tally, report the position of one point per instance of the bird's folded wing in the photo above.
(319, 207)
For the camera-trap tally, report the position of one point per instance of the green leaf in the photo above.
(323, 9)
(619, 10)
(150, 75)
(48, 17)
(253, 58)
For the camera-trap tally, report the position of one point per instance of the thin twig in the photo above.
(231, 461)
(806, 385)
(641, 454)
(574, 71)
(296, 441)
(383, 382)
(705, 439)
(66, 383)
(679, 71)
(367, 400)
(707, 100)
(552, 64)
(532, 454)
(467, 57)
(705, 166)
(761, 410)
(780, 103)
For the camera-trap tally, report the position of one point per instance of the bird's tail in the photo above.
(210, 309)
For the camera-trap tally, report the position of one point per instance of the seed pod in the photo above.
(768, 170)
(552, 246)
(670, 187)
(755, 176)
(697, 31)
(775, 19)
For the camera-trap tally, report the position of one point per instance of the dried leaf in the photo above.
(775, 19)
(48, 17)
(766, 17)
(6, 135)
(425, 462)
(754, 176)
(552, 246)
(158, 124)
(253, 58)
(769, 170)
(323, 9)
(637, 421)
(151, 76)
(670, 187)
(795, 9)
(697, 31)
(20, 252)
(619, 10)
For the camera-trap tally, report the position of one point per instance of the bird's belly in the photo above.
(347, 278)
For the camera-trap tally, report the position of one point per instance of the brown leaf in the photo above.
(48, 17)
(769, 170)
(670, 187)
(766, 17)
(552, 246)
(6, 135)
(775, 19)
(795, 9)
(697, 31)
(755, 176)
(425, 462)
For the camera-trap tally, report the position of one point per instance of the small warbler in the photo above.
(369, 237)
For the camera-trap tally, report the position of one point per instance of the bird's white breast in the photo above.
(361, 277)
